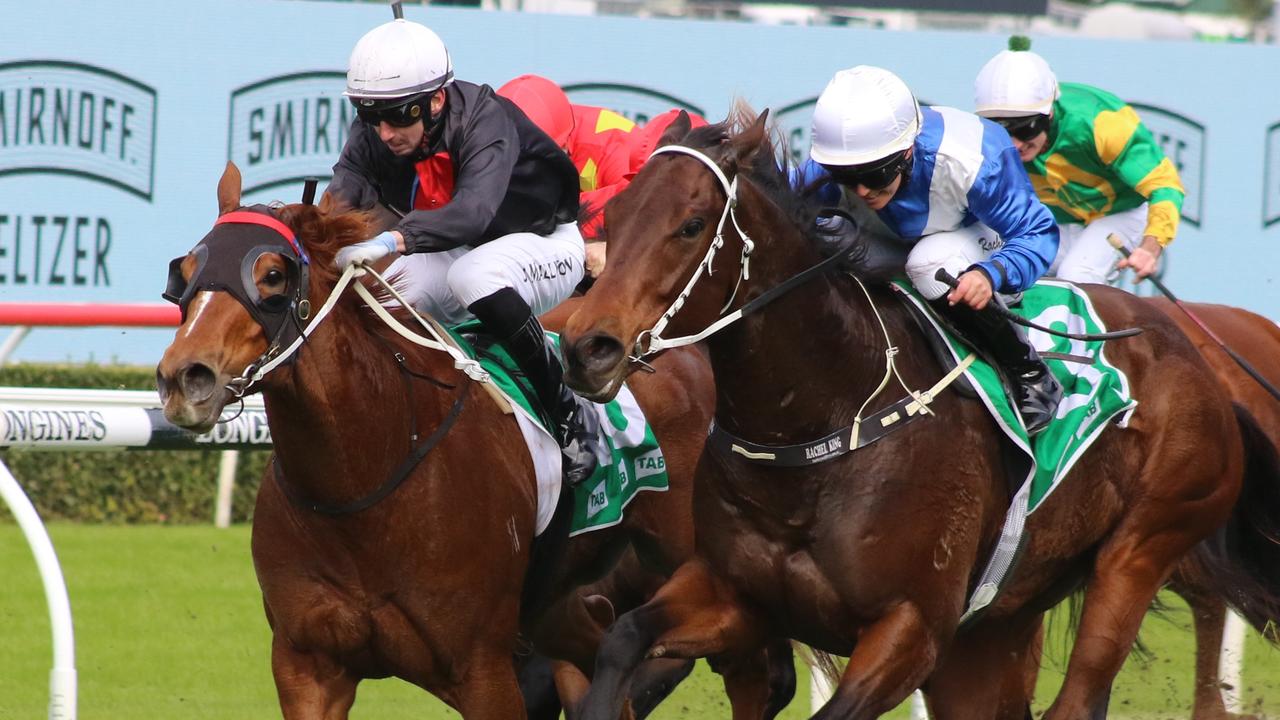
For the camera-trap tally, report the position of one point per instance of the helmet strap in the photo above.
(904, 168)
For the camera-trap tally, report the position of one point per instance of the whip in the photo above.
(1244, 364)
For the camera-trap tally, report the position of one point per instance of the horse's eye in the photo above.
(274, 278)
(693, 228)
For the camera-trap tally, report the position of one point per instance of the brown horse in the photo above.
(365, 579)
(1257, 339)
(873, 554)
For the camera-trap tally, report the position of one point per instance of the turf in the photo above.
(169, 624)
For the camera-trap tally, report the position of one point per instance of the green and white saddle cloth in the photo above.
(1094, 394)
(638, 464)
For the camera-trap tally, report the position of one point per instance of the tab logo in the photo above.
(650, 463)
(1183, 141)
(1271, 178)
(76, 119)
(636, 103)
(287, 128)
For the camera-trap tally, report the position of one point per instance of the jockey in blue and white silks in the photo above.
(951, 184)
(965, 176)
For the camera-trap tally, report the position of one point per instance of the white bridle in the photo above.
(437, 340)
(651, 341)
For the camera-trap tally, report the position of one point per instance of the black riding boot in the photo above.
(1037, 391)
(574, 421)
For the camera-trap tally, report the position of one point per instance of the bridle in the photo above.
(651, 341)
(248, 234)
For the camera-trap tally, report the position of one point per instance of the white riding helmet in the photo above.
(865, 114)
(397, 60)
(1014, 83)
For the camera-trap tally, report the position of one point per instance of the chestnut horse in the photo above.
(873, 554)
(422, 581)
(1257, 339)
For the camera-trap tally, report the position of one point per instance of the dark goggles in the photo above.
(874, 176)
(403, 114)
(1025, 128)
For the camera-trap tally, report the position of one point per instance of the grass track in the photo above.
(169, 624)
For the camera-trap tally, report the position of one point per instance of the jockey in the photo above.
(606, 148)
(1091, 160)
(491, 228)
(949, 183)
(595, 138)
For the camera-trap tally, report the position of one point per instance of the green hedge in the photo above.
(122, 486)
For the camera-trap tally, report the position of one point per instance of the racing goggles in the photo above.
(1025, 128)
(874, 175)
(403, 114)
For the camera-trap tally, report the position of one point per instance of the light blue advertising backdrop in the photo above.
(116, 120)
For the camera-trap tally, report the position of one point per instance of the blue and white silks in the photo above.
(965, 171)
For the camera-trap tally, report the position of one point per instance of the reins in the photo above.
(834, 444)
(943, 276)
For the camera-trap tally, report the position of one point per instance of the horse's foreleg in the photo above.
(695, 614)
(984, 672)
(311, 686)
(489, 690)
(572, 629)
(654, 680)
(893, 657)
(761, 683)
(571, 686)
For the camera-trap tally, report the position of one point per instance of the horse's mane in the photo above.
(770, 170)
(324, 229)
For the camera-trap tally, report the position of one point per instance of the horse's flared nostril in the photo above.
(198, 382)
(162, 385)
(599, 353)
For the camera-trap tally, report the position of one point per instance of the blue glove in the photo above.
(367, 251)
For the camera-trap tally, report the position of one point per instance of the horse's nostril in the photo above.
(601, 352)
(162, 385)
(198, 382)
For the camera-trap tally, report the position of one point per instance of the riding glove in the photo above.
(367, 251)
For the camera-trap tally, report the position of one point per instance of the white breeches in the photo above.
(1085, 256)
(953, 251)
(544, 270)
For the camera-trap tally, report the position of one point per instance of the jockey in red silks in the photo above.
(606, 148)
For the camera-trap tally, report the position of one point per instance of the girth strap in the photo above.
(842, 441)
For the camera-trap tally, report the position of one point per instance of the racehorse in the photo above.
(1257, 339)
(873, 554)
(365, 575)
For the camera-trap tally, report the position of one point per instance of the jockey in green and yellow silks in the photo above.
(1091, 160)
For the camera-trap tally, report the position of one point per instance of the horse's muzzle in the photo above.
(595, 365)
(192, 396)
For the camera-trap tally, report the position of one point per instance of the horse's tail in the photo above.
(820, 662)
(1242, 558)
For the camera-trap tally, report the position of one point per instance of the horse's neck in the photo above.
(341, 404)
(802, 365)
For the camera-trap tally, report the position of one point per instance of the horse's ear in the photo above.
(330, 204)
(229, 189)
(750, 141)
(676, 131)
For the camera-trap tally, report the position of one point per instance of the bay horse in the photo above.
(422, 581)
(1257, 339)
(873, 554)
